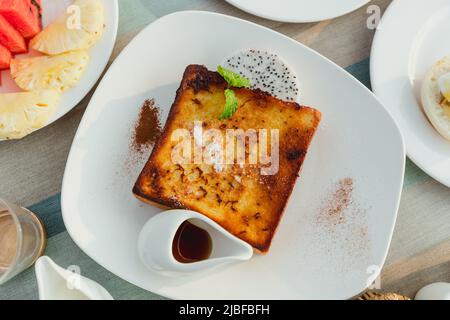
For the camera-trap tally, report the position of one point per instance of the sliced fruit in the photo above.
(5, 57)
(78, 29)
(11, 38)
(266, 71)
(59, 72)
(36, 8)
(24, 112)
(434, 92)
(23, 15)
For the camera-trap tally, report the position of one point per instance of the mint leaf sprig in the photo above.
(233, 80)
(231, 105)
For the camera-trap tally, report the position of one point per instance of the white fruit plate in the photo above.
(309, 258)
(405, 47)
(99, 55)
(298, 10)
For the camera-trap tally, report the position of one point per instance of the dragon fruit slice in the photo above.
(266, 71)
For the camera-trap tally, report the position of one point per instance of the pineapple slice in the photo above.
(24, 112)
(59, 72)
(79, 28)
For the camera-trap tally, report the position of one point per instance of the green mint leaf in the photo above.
(231, 104)
(233, 79)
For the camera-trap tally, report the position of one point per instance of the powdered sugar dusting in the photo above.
(213, 156)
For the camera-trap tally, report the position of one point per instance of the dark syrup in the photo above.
(191, 243)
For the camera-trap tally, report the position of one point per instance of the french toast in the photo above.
(238, 196)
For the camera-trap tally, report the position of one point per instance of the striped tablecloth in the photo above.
(31, 169)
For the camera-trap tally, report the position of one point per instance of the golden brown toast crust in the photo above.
(239, 198)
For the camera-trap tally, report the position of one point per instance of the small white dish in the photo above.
(434, 291)
(298, 10)
(306, 260)
(99, 55)
(156, 239)
(57, 283)
(408, 42)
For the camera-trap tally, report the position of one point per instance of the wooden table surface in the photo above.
(31, 169)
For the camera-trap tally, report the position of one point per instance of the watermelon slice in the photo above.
(11, 38)
(23, 15)
(36, 7)
(5, 57)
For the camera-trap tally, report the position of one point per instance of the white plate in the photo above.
(357, 139)
(407, 44)
(298, 10)
(99, 55)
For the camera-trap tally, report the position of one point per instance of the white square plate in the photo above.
(357, 138)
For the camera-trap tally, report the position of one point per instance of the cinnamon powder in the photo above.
(147, 129)
(337, 203)
(342, 228)
(341, 198)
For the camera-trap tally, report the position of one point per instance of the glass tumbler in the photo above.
(22, 240)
